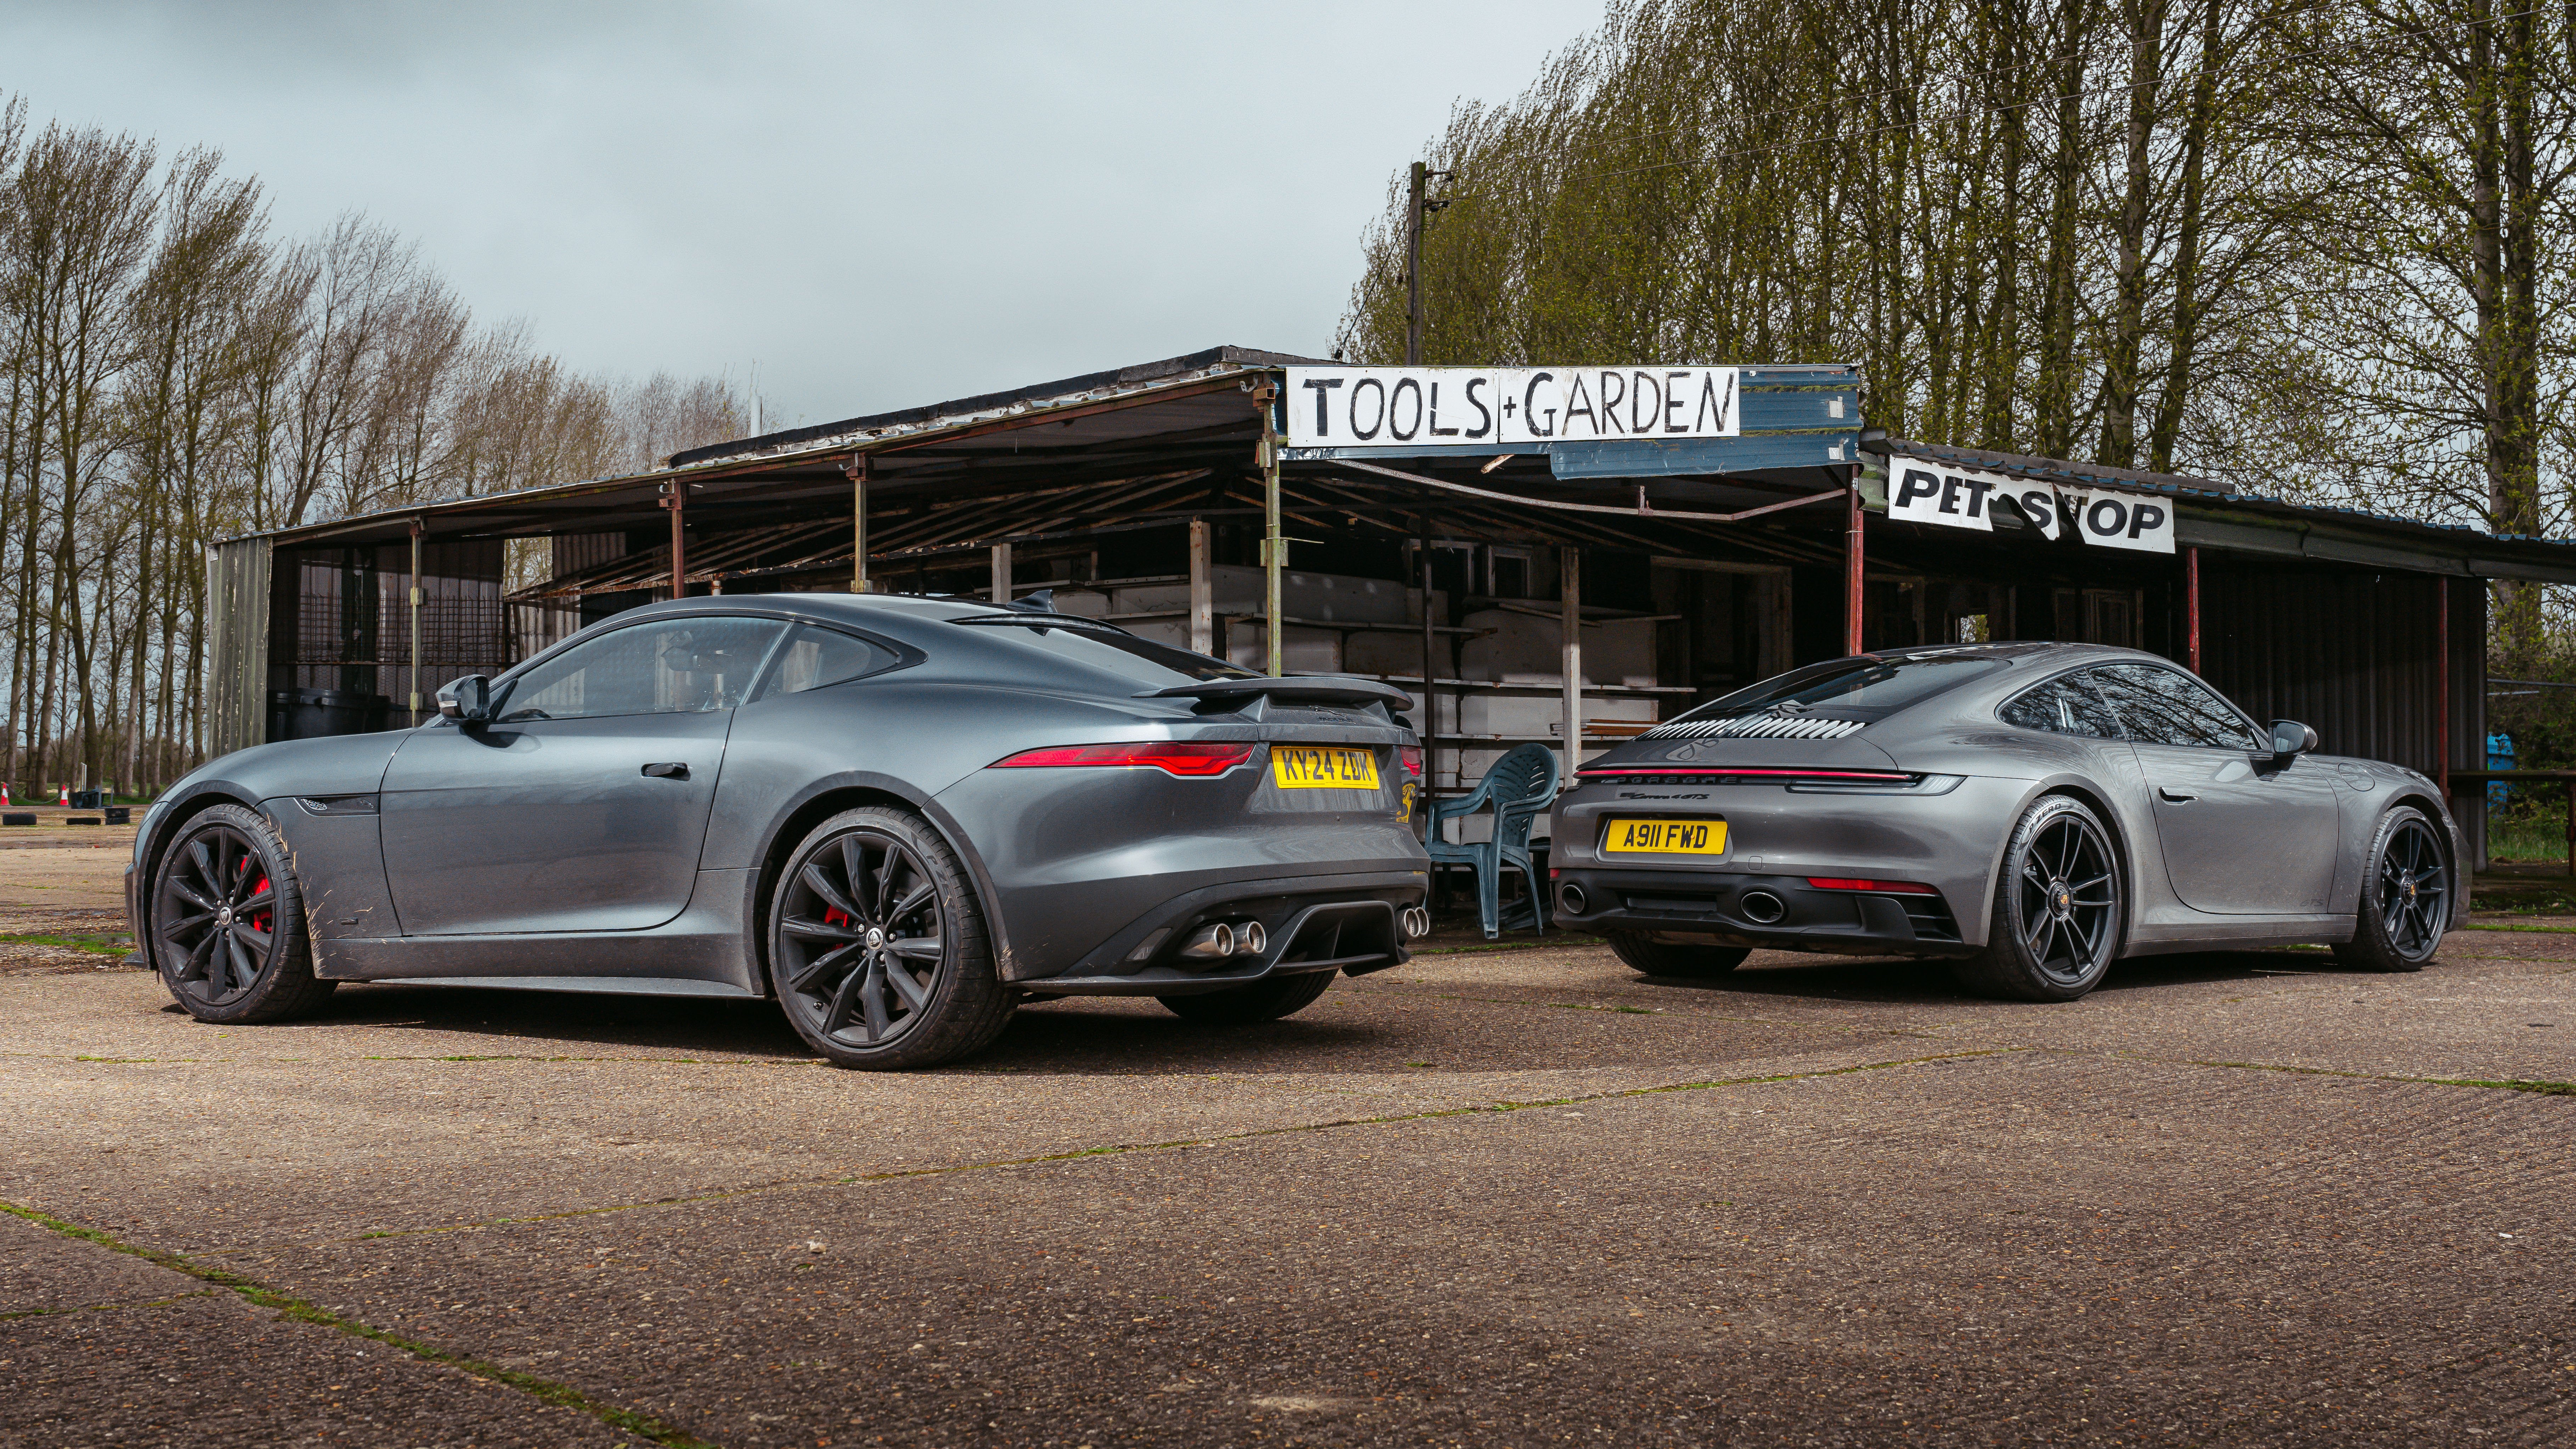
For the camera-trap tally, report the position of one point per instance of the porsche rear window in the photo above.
(1879, 686)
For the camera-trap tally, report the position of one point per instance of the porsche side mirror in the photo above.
(2289, 737)
(467, 701)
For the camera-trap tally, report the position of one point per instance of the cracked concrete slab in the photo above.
(1935, 1219)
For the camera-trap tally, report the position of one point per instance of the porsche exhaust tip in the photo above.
(1417, 923)
(1571, 899)
(1250, 939)
(1762, 908)
(1209, 942)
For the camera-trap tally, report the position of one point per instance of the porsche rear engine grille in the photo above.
(1755, 726)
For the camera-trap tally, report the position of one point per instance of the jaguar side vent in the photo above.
(1756, 727)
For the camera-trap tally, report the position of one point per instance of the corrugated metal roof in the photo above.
(2206, 490)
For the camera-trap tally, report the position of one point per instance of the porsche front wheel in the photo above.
(2058, 909)
(2405, 899)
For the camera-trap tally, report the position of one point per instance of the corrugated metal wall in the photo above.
(236, 645)
(2350, 651)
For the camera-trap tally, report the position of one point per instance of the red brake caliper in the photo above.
(259, 919)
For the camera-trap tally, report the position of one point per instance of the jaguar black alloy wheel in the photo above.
(2057, 911)
(2406, 899)
(227, 922)
(877, 948)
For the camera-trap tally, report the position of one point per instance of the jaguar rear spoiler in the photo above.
(1240, 694)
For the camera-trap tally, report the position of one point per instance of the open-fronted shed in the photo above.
(1566, 583)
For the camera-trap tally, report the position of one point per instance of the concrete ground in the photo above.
(1493, 1197)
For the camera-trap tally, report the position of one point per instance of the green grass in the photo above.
(118, 945)
(2537, 836)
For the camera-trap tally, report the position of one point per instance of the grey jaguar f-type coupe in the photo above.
(896, 816)
(2032, 812)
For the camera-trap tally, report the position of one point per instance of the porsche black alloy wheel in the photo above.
(1651, 957)
(877, 948)
(2405, 900)
(2057, 909)
(227, 922)
(1268, 999)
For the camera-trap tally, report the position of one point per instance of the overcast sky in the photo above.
(877, 205)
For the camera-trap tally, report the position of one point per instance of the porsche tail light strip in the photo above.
(1188, 759)
(1761, 774)
(1875, 887)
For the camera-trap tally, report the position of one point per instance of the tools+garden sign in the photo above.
(1960, 497)
(1390, 407)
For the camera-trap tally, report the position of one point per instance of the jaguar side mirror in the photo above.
(2289, 737)
(467, 701)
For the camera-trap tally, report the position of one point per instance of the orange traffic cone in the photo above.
(67, 797)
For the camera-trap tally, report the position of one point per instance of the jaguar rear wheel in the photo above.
(877, 945)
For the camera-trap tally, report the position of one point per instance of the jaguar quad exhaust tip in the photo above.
(1417, 923)
(1210, 942)
(1250, 939)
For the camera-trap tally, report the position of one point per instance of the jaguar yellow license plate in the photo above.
(1311, 767)
(1665, 837)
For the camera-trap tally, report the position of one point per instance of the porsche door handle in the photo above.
(2178, 797)
(672, 771)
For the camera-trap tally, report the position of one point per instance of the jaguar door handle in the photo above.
(673, 771)
(2178, 797)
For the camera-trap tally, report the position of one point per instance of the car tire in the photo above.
(226, 925)
(1650, 957)
(1268, 999)
(2405, 896)
(2059, 911)
(896, 971)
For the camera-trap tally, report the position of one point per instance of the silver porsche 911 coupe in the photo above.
(898, 817)
(2031, 812)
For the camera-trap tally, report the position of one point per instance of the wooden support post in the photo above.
(1430, 668)
(1852, 571)
(2191, 605)
(676, 499)
(857, 470)
(1274, 547)
(414, 706)
(1001, 573)
(2442, 705)
(1570, 585)
(1202, 591)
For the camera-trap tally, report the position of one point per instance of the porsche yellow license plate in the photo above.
(1312, 767)
(1665, 837)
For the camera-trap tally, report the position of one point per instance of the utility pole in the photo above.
(1413, 269)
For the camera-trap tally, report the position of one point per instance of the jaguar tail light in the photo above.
(1409, 759)
(1188, 759)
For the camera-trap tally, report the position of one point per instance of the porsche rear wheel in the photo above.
(1650, 957)
(2058, 909)
(877, 946)
(2405, 900)
(227, 922)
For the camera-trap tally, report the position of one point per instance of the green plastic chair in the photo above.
(1518, 788)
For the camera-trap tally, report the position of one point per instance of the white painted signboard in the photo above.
(1955, 496)
(1392, 407)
